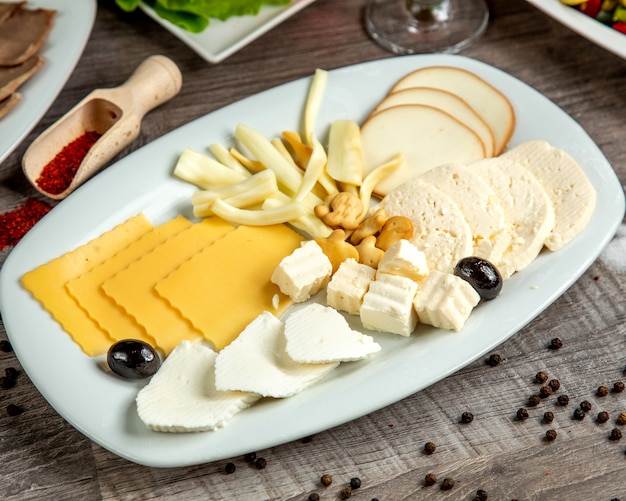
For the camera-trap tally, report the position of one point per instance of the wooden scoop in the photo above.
(115, 114)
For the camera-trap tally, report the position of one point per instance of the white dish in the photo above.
(223, 38)
(61, 50)
(102, 407)
(600, 34)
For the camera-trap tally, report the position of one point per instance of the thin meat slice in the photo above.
(9, 103)
(22, 33)
(7, 8)
(11, 77)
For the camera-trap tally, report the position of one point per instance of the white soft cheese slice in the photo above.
(181, 396)
(348, 285)
(388, 305)
(440, 230)
(480, 206)
(319, 334)
(527, 208)
(304, 272)
(404, 259)
(257, 362)
(572, 194)
(445, 301)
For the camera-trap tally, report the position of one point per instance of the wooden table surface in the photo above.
(43, 457)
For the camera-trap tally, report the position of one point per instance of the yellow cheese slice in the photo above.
(227, 285)
(133, 288)
(86, 290)
(47, 282)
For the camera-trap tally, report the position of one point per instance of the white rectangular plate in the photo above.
(223, 38)
(61, 50)
(600, 34)
(102, 406)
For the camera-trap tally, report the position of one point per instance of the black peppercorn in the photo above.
(616, 434)
(430, 479)
(14, 410)
(7, 382)
(602, 391)
(250, 457)
(563, 400)
(555, 344)
(551, 435)
(603, 417)
(481, 495)
(554, 384)
(467, 417)
(7, 348)
(534, 400)
(230, 468)
(494, 360)
(355, 482)
(260, 463)
(429, 447)
(579, 414)
(11, 372)
(621, 418)
(548, 417)
(326, 480)
(314, 496)
(618, 387)
(345, 493)
(522, 414)
(447, 484)
(545, 391)
(585, 405)
(541, 377)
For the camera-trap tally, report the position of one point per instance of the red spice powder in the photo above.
(57, 174)
(14, 224)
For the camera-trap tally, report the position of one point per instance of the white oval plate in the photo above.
(62, 50)
(102, 407)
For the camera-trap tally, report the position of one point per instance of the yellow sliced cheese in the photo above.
(86, 289)
(133, 287)
(47, 282)
(227, 285)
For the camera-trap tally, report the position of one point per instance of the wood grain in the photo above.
(43, 457)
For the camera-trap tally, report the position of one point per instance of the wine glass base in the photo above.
(448, 27)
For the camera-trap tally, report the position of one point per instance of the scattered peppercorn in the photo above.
(345, 493)
(541, 377)
(14, 410)
(621, 418)
(355, 482)
(579, 414)
(603, 417)
(618, 387)
(11, 372)
(326, 480)
(551, 435)
(430, 479)
(585, 405)
(545, 391)
(494, 360)
(616, 434)
(447, 484)
(554, 384)
(467, 417)
(250, 457)
(563, 400)
(230, 468)
(602, 391)
(555, 344)
(5, 346)
(307, 440)
(260, 463)
(7, 382)
(522, 414)
(534, 400)
(429, 447)
(314, 496)
(481, 495)
(548, 417)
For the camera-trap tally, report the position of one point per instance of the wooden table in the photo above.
(43, 457)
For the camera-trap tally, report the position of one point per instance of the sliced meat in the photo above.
(22, 33)
(7, 8)
(11, 77)
(9, 103)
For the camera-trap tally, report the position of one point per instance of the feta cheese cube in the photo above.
(445, 301)
(388, 305)
(348, 285)
(304, 272)
(404, 259)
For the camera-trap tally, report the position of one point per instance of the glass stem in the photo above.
(428, 11)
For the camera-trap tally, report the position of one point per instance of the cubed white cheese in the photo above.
(348, 285)
(257, 362)
(388, 305)
(404, 259)
(304, 272)
(319, 334)
(445, 301)
(181, 396)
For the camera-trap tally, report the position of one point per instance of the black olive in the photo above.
(133, 359)
(483, 276)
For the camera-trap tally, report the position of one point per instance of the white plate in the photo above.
(102, 406)
(62, 49)
(600, 34)
(223, 38)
